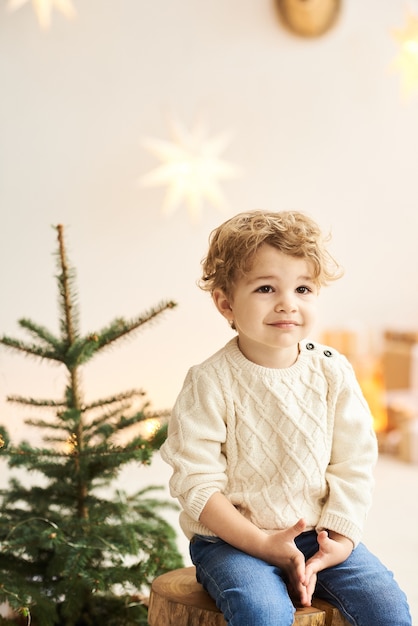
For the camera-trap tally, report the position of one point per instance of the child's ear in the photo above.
(223, 304)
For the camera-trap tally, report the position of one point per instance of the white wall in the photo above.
(319, 126)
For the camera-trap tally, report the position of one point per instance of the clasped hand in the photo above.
(300, 574)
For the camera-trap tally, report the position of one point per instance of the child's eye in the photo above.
(265, 289)
(303, 289)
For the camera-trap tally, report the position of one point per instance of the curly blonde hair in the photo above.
(233, 245)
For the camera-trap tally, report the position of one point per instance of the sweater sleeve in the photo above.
(349, 474)
(194, 444)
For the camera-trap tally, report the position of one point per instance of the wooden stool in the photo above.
(177, 599)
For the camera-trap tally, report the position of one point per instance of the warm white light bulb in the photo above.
(150, 427)
(406, 62)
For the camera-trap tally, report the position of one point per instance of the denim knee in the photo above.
(248, 591)
(365, 591)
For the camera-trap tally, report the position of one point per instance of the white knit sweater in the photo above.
(280, 444)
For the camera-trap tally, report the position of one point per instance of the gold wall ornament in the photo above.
(43, 9)
(308, 18)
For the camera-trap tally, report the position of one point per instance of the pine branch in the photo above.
(69, 323)
(31, 349)
(114, 399)
(158, 414)
(40, 423)
(83, 349)
(47, 403)
(36, 402)
(104, 425)
(42, 333)
(138, 444)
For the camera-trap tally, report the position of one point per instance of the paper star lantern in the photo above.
(191, 168)
(406, 62)
(43, 9)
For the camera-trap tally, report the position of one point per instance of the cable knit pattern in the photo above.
(280, 444)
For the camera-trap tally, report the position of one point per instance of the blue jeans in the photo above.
(250, 592)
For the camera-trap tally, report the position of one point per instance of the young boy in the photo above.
(271, 441)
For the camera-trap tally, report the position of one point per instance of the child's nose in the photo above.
(286, 302)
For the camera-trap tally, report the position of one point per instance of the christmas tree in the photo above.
(69, 555)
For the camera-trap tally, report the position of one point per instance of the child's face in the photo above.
(273, 307)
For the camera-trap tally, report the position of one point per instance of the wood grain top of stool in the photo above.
(177, 599)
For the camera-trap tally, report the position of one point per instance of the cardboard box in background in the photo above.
(408, 441)
(400, 360)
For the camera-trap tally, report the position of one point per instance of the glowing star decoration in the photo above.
(192, 168)
(43, 9)
(406, 62)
